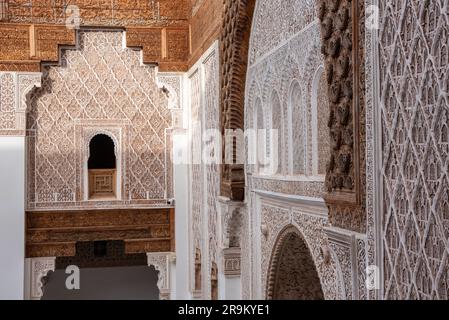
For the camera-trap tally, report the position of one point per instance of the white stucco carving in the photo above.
(161, 263)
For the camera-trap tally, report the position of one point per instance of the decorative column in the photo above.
(230, 226)
(26, 83)
(348, 249)
(161, 262)
(36, 271)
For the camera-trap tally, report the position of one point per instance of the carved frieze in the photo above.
(25, 46)
(104, 13)
(57, 232)
(232, 261)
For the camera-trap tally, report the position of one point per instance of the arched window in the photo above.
(261, 138)
(297, 135)
(320, 130)
(102, 165)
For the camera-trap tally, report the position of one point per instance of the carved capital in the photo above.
(231, 221)
(26, 83)
(39, 270)
(161, 262)
(232, 261)
(347, 248)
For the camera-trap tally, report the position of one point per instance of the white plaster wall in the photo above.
(12, 217)
(181, 191)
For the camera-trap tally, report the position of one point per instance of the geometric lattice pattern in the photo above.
(197, 169)
(205, 174)
(212, 171)
(101, 81)
(414, 57)
(7, 106)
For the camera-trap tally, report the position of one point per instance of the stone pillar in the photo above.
(161, 261)
(36, 269)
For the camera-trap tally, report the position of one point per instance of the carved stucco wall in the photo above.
(203, 88)
(286, 20)
(101, 86)
(276, 215)
(14, 90)
(286, 63)
(408, 139)
(288, 73)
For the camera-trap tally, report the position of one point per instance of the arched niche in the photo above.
(320, 117)
(102, 163)
(292, 274)
(297, 131)
(276, 135)
(260, 137)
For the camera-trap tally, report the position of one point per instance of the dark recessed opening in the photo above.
(102, 155)
(100, 249)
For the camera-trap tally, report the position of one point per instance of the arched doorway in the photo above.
(293, 275)
(102, 168)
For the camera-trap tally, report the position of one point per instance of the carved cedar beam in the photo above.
(167, 47)
(55, 233)
(342, 46)
(234, 48)
(4, 8)
(23, 47)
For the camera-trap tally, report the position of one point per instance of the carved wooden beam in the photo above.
(235, 34)
(55, 233)
(23, 47)
(342, 46)
(4, 4)
(167, 47)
